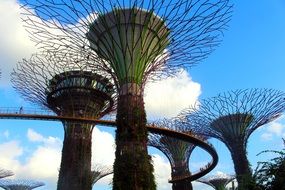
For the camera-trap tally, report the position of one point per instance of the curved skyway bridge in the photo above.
(41, 114)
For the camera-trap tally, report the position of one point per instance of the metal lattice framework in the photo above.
(235, 113)
(47, 76)
(133, 41)
(5, 173)
(217, 182)
(12, 184)
(177, 151)
(172, 34)
(64, 83)
(98, 172)
(232, 117)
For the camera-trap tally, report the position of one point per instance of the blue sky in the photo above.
(250, 56)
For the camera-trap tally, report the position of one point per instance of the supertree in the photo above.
(218, 182)
(98, 172)
(63, 82)
(12, 184)
(177, 151)
(5, 173)
(232, 117)
(134, 41)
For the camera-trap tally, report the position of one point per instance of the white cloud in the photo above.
(34, 136)
(14, 41)
(274, 129)
(42, 163)
(103, 152)
(162, 172)
(10, 152)
(166, 98)
(103, 147)
(49, 141)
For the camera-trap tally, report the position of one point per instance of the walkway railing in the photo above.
(26, 111)
(40, 114)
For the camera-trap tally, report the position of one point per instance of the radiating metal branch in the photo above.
(5, 173)
(176, 150)
(98, 172)
(194, 29)
(33, 78)
(232, 117)
(234, 113)
(218, 182)
(11, 184)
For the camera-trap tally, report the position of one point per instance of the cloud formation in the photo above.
(14, 40)
(162, 172)
(42, 162)
(274, 129)
(166, 98)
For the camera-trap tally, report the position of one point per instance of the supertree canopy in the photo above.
(98, 172)
(64, 83)
(177, 151)
(135, 38)
(134, 41)
(12, 184)
(218, 182)
(232, 117)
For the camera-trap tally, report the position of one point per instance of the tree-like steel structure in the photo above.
(12, 184)
(134, 41)
(65, 84)
(177, 151)
(5, 173)
(98, 172)
(232, 117)
(217, 182)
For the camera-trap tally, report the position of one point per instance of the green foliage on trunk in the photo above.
(241, 165)
(75, 168)
(133, 169)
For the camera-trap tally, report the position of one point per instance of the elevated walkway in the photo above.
(39, 114)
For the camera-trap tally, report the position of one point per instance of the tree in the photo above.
(270, 175)
(134, 41)
(63, 82)
(177, 151)
(232, 117)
